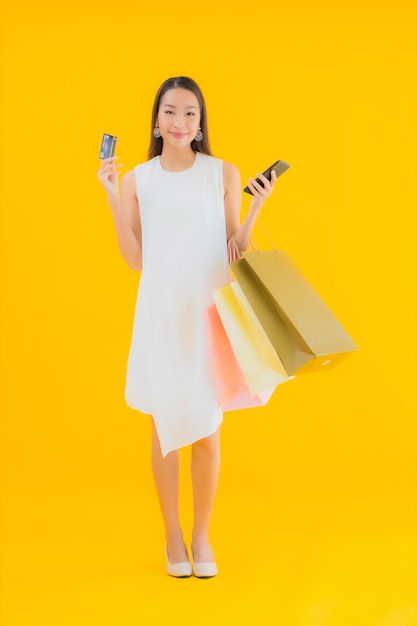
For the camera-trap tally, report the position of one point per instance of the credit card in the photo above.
(108, 146)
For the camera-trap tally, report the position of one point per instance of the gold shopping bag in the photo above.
(260, 365)
(301, 328)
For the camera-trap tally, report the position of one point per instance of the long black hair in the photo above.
(155, 146)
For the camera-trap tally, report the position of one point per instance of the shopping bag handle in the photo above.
(267, 236)
(233, 252)
(253, 246)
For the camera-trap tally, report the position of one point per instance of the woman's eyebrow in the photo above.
(191, 106)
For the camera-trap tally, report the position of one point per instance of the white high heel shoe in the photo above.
(205, 569)
(178, 570)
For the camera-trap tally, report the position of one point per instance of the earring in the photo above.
(199, 135)
(156, 132)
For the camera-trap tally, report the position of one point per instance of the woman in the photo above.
(177, 219)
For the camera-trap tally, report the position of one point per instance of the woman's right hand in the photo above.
(108, 175)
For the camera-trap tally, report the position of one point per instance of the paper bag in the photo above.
(228, 377)
(301, 328)
(260, 365)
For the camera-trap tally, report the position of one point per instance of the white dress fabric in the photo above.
(184, 258)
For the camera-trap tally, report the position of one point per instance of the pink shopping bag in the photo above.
(227, 374)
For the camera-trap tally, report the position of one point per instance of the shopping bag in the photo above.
(231, 386)
(261, 366)
(301, 328)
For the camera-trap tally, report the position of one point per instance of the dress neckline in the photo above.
(187, 169)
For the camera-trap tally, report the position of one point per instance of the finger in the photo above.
(256, 188)
(265, 180)
(114, 169)
(109, 170)
(251, 185)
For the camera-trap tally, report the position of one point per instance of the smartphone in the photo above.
(279, 166)
(108, 146)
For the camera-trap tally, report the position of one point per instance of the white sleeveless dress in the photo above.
(184, 258)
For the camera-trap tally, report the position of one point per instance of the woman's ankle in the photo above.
(176, 549)
(200, 537)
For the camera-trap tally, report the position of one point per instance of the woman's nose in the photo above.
(178, 122)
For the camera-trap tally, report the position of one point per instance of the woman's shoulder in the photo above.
(208, 159)
(230, 173)
(128, 180)
(146, 165)
(229, 169)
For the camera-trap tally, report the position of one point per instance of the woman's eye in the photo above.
(191, 113)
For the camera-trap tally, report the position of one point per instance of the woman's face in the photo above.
(178, 117)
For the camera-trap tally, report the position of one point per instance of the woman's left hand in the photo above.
(260, 194)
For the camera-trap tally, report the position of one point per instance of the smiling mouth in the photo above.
(179, 135)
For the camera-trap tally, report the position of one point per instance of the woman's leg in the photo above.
(166, 477)
(205, 467)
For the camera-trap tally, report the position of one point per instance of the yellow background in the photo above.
(315, 522)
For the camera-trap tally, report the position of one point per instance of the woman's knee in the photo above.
(208, 445)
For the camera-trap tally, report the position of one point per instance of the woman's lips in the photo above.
(178, 135)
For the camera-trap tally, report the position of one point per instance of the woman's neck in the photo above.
(177, 160)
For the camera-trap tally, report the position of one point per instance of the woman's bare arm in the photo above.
(238, 235)
(125, 211)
